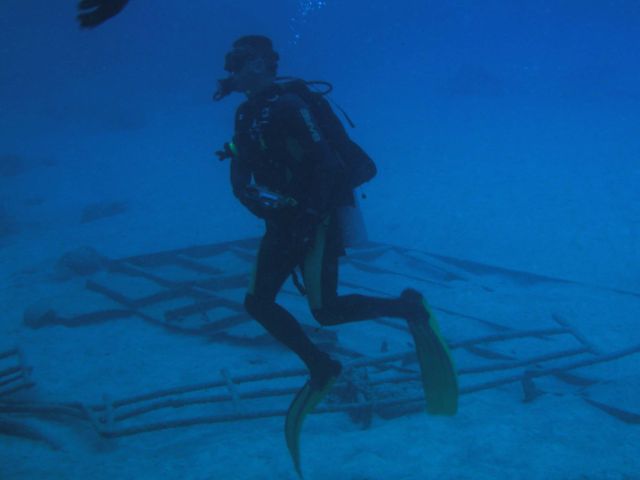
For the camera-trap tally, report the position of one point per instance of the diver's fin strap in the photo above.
(439, 377)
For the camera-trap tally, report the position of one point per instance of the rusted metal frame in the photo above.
(163, 296)
(185, 311)
(10, 371)
(21, 386)
(489, 323)
(256, 377)
(522, 275)
(188, 262)
(426, 266)
(576, 333)
(111, 294)
(513, 335)
(488, 269)
(597, 359)
(122, 266)
(491, 368)
(410, 404)
(418, 401)
(364, 362)
(18, 376)
(95, 317)
(372, 250)
(15, 383)
(191, 422)
(265, 393)
(523, 363)
(191, 289)
(226, 282)
(197, 251)
(9, 353)
(172, 316)
(361, 363)
(545, 372)
(383, 271)
(410, 356)
(178, 292)
(21, 429)
(217, 280)
(15, 377)
(220, 398)
(74, 410)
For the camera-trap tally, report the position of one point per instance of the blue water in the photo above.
(505, 133)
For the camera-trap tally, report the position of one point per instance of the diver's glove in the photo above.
(228, 151)
(92, 13)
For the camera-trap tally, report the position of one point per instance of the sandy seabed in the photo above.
(494, 435)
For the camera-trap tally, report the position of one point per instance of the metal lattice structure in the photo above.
(14, 372)
(195, 291)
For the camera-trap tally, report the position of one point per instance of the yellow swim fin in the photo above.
(304, 402)
(438, 372)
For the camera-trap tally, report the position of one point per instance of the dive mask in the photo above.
(236, 59)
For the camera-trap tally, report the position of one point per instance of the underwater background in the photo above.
(505, 133)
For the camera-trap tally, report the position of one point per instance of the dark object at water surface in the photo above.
(92, 13)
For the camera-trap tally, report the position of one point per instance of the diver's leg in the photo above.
(320, 271)
(439, 378)
(274, 264)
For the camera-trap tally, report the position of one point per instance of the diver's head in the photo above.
(252, 49)
(252, 64)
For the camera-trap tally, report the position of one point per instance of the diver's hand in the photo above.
(260, 205)
(92, 13)
(226, 152)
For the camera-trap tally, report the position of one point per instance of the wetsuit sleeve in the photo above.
(241, 174)
(324, 167)
(240, 179)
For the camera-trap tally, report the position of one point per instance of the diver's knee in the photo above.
(252, 304)
(323, 316)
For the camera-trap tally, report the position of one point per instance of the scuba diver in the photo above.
(293, 165)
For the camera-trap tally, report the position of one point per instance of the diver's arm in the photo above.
(240, 180)
(240, 172)
(241, 177)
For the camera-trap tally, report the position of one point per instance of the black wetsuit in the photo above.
(281, 147)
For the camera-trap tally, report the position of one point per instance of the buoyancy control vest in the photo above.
(359, 166)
